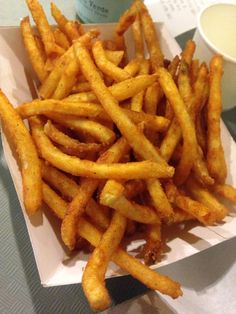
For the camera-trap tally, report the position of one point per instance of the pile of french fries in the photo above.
(116, 146)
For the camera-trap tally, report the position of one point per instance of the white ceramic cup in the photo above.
(216, 34)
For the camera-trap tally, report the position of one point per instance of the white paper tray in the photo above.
(54, 266)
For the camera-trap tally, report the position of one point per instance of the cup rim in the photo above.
(207, 41)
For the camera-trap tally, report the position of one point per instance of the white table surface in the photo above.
(208, 278)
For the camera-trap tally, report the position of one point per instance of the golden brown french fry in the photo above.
(61, 39)
(113, 196)
(74, 145)
(137, 100)
(126, 20)
(215, 155)
(19, 137)
(94, 274)
(106, 66)
(40, 46)
(148, 277)
(97, 214)
(114, 56)
(97, 130)
(45, 31)
(32, 49)
(72, 30)
(203, 196)
(188, 52)
(133, 66)
(59, 17)
(151, 38)
(153, 246)
(225, 190)
(188, 131)
(121, 91)
(138, 37)
(194, 68)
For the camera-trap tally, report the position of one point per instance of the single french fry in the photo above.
(121, 91)
(46, 33)
(40, 46)
(188, 52)
(94, 274)
(106, 66)
(61, 39)
(185, 122)
(153, 246)
(138, 37)
(114, 56)
(133, 66)
(225, 190)
(215, 155)
(61, 138)
(36, 58)
(194, 68)
(205, 197)
(72, 31)
(95, 129)
(113, 196)
(126, 20)
(58, 17)
(151, 38)
(19, 137)
(137, 100)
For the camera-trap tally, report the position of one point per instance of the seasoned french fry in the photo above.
(40, 46)
(215, 155)
(51, 48)
(113, 196)
(19, 137)
(88, 127)
(151, 38)
(121, 91)
(138, 37)
(61, 39)
(203, 196)
(133, 66)
(106, 66)
(194, 68)
(36, 58)
(62, 139)
(153, 246)
(188, 52)
(59, 17)
(126, 19)
(94, 273)
(114, 56)
(225, 190)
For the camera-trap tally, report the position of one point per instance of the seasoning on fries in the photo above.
(118, 145)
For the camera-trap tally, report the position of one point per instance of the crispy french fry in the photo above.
(203, 196)
(194, 68)
(121, 91)
(114, 56)
(126, 20)
(59, 17)
(113, 196)
(88, 127)
(137, 100)
(133, 66)
(61, 138)
(138, 37)
(32, 49)
(94, 274)
(106, 66)
(19, 137)
(151, 37)
(153, 246)
(188, 52)
(225, 190)
(61, 39)
(51, 48)
(72, 30)
(215, 155)
(40, 46)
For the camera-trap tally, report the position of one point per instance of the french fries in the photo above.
(118, 146)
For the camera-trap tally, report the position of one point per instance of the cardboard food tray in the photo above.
(55, 265)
